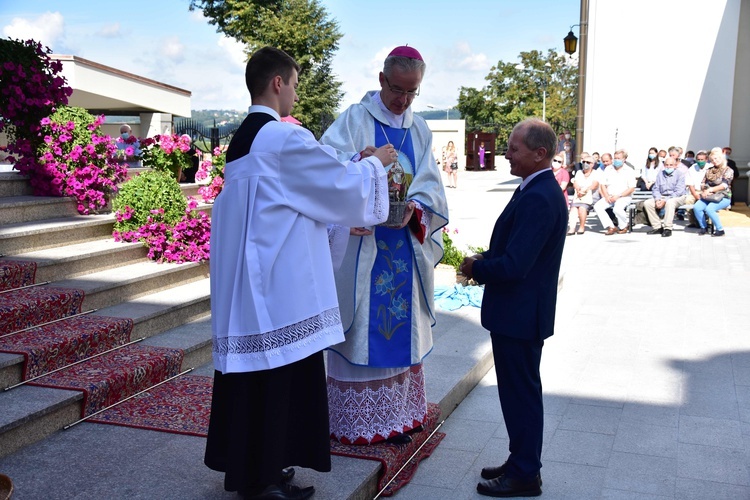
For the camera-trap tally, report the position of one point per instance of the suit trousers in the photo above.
(619, 207)
(519, 385)
(670, 207)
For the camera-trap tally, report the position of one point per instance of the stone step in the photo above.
(191, 189)
(14, 184)
(461, 357)
(112, 286)
(68, 261)
(29, 208)
(32, 413)
(151, 314)
(23, 237)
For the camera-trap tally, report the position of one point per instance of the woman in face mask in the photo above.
(561, 175)
(648, 173)
(715, 193)
(585, 183)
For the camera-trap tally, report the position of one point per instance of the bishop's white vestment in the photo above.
(385, 286)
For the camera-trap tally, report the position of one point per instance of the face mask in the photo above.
(124, 135)
(701, 163)
(567, 136)
(668, 171)
(567, 148)
(651, 157)
(618, 163)
(586, 166)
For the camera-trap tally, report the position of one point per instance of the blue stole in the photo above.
(392, 274)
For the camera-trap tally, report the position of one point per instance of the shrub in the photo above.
(452, 256)
(75, 160)
(167, 153)
(143, 196)
(151, 208)
(30, 90)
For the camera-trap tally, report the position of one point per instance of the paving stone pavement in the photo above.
(646, 382)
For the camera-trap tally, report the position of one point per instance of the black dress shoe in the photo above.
(666, 233)
(494, 472)
(720, 232)
(282, 491)
(287, 474)
(399, 439)
(656, 231)
(702, 231)
(504, 486)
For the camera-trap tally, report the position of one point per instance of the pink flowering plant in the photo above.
(167, 153)
(186, 241)
(75, 159)
(212, 169)
(128, 149)
(30, 90)
(152, 209)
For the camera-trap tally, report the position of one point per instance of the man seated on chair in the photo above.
(616, 186)
(667, 192)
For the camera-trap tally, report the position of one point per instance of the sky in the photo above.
(164, 41)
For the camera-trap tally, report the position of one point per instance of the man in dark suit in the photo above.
(520, 273)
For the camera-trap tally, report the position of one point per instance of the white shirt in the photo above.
(273, 295)
(618, 180)
(695, 175)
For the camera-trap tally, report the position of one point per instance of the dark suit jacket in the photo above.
(520, 270)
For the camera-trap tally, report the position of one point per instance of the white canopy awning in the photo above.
(109, 91)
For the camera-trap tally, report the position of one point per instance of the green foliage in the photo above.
(514, 94)
(452, 256)
(299, 27)
(145, 192)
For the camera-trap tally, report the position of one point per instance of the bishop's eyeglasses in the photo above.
(410, 94)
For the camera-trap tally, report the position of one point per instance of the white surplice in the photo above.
(273, 295)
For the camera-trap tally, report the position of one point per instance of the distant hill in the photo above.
(221, 117)
(440, 114)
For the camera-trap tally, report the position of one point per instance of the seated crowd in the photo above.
(698, 184)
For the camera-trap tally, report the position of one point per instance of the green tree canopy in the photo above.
(513, 94)
(299, 27)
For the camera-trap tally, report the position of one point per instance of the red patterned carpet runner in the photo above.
(117, 375)
(181, 406)
(16, 273)
(27, 307)
(49, 347)
(393, 456)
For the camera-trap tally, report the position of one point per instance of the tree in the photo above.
(514, 94)
(299, 27)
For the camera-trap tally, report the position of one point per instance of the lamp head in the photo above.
(570, 43)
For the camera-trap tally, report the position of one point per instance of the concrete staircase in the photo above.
(169, 303)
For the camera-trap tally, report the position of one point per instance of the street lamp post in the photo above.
(544, 86)
(447, 111)
(571, 43)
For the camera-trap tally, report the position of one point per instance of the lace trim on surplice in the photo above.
(372, 411)
(298, 333)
